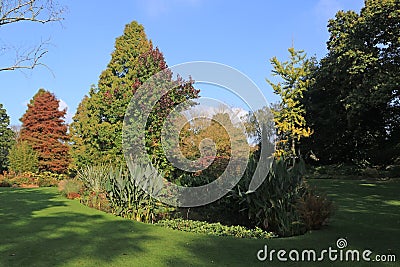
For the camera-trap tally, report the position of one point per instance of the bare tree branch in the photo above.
(40, 11)
(28, 59)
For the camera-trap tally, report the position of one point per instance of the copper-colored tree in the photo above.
(44, 128)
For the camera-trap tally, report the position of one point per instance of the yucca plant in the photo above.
(94, 177)
(126, 195)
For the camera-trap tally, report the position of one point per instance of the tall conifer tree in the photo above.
(96, 132)
(6, 138)
(44, 128)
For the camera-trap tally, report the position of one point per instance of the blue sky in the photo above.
(241, 34)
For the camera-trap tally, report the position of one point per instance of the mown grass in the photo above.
(38, 227)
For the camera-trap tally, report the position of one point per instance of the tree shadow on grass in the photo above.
(368, 213)
(39, 228)
(367, 216)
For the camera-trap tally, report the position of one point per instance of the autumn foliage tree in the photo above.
(289, 115)
(219, 129)
(211, 140)
(96, 131)
(44, 129)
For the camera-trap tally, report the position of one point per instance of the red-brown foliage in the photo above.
(43, 126)
(73, 195)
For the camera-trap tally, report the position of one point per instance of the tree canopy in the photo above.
(96, 131)
(6, 138)
(23, 158)
(44, 129)
(289, 114)
(354, 104)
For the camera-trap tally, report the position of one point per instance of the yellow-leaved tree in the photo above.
(289, 113)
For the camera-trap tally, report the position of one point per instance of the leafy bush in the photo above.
(48, 179)
(45, 179)
(52, 175)
(22, 158)
(273, 205)
(216, 166)
(4, 181)
(225, 210)
(73, 195)
(370, 173)
(314, 209)
(193, 180)
(335, 170)
(70, 187)
(214, 229)
(22, 179)
(393, 171)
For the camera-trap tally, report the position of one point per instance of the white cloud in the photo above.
(236, 114)
(63, 105)
(240, 113)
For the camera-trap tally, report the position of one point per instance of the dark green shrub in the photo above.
(393, 171)
(335, 171)
(273, 205)
(216, 166)
(370, 173)
(214, 229)
(224, 210)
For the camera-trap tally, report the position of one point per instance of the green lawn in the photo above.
(40, 228)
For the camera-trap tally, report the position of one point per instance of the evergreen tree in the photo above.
(96, 131)
(44, 129)
(6, 138)
(83, 151)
